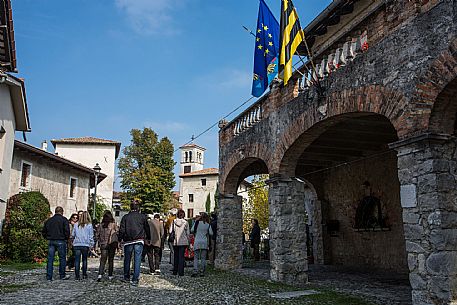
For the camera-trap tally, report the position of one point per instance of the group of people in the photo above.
(76, 237)
(137, 234)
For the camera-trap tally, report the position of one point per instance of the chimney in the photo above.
(44, 145)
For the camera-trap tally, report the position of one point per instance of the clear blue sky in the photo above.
(102, 67)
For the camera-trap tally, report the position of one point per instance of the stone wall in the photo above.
(53, 181)
(343, 190)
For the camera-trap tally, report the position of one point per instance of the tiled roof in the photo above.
(203, 172)
(32, 150)
(88, 140)
(192, 145)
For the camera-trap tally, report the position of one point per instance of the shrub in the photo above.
(26, 213)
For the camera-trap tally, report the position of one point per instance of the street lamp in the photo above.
(97, 170)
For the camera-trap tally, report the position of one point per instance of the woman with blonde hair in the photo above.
(83, 241)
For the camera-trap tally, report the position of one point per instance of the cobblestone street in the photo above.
(30, 287)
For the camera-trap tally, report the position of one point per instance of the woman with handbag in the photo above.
(108, 242)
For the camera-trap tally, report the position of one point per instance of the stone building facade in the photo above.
(90, 151)
(367, 155)
(63, 182)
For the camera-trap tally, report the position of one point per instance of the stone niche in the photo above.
(377, 242)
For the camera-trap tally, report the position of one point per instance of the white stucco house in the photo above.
(14, 115)
(63, 182)
(89, 151)
(196, 183)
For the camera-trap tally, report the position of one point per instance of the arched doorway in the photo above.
(234, 191)
(348, 161)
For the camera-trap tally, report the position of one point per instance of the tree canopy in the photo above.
(257, 205)
(146, 170)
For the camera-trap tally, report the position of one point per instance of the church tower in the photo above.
(192, 158)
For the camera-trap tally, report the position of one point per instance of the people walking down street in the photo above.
(70, 252)
(202, 232)
(108, 242)
(180, 229)
(171, 217)
(133, 231)
(83, 242)
(154, 243)
(162, 242)
(254, 237)
(57, 231)
(212, 240)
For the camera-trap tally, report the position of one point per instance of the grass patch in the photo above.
(8, 288)
(9, 265)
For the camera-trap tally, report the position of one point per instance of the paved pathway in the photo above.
(30, 287)
(383, 289)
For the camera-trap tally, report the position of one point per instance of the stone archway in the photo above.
(230, 218)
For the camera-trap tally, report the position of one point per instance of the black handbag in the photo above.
(171, 237)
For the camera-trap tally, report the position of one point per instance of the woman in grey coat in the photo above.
(202, 231)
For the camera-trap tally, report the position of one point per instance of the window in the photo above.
(190, 213)
(187, 169)
(117, 213)
(187, 157)
(26, 173)
(203, 182)
(73, 182)
(191, 197)
(190, 156)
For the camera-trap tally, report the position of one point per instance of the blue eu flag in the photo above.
(266, 50)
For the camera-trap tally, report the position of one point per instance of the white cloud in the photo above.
(150, 16)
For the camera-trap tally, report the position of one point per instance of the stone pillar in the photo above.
(318, 243)
(229, 251)
(427, 173)
(288, 255)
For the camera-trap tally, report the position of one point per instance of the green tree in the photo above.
(208, 204)
(257, 205)
(216, 197)
(100, 207)
(146, 170)
(22, 240)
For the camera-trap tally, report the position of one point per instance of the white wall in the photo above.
(89, 155)
(53, 181)
(7, 120)
(193, 185)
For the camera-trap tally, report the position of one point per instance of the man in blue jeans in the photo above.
(133, 231)
(57, 231)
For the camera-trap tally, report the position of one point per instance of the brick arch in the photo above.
(353, 102)
(245, 158)
(435, 94)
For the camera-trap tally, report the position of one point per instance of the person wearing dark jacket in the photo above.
(255, 238)
(57, 231)
(133, 231)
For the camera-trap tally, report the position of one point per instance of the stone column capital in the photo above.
(279, 179)
(420, 139)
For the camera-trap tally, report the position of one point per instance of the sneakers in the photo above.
(85, 277)
(157, 272)
(99, 278)
(194, 274)
(110, 277)
(66, 277)
(134, 283)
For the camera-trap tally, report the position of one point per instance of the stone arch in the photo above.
(350, 102)
(248, 160)
(301, 134)
(434, 99)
